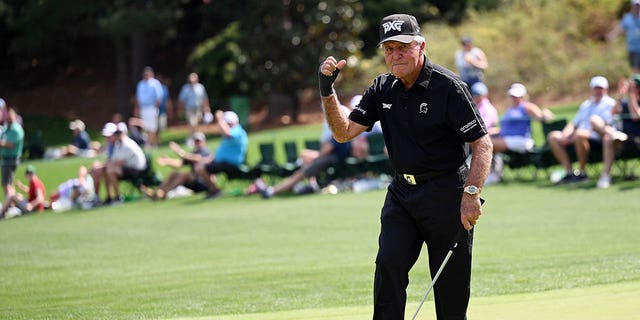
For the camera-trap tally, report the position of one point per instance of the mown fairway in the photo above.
(540, 252)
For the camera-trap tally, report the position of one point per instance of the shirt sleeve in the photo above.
(463, 114)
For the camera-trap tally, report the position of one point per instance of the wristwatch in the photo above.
(472, 190)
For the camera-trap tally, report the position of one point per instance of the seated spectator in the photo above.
(190, 179)
(581, 133)
(489, 115)
(313, 162)
(230, 154)
(612, 138)
(35, 202)
(75, 192)
(81, 145)
(360, 145)
(126, 161)
(514, 133)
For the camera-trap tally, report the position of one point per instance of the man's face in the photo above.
(403, 59)
(598, 92)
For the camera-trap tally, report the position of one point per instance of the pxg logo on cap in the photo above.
(399, 27)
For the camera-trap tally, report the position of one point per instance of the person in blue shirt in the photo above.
(630, 26)
(230, 154)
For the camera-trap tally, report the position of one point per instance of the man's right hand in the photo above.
(327, 74)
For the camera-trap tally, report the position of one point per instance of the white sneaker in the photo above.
(619, 136)
(604, 181)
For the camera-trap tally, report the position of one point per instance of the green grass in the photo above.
(312, 257)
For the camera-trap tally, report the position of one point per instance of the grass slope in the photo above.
(187, 258)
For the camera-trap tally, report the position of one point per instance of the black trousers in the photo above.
(412, 215)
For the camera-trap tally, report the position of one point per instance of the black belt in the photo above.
(414, 179)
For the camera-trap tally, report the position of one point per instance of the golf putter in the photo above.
(454, 245)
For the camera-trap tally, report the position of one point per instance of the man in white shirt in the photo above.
(126, 161)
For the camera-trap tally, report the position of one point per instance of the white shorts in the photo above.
(149, 117)
(519, 144)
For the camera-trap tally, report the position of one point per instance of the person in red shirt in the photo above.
(36, 194)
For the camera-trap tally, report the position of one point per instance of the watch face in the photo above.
(471, 189)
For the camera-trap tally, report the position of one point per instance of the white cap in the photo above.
(356, 99)
(2, 103)
(599, 82)
(231, 117)
(517, 90)
(122, 127)
(635, 2)
(109, 129)
(76, 124)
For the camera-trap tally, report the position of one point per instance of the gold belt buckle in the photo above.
(410, 179)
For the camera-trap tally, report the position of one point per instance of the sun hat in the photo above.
(399, 27)
(198, 136)
(30, 169)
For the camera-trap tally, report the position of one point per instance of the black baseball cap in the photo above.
(399, 27)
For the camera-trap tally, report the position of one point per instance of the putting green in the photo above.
(611, 302)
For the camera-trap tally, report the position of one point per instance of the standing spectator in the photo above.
(230, 154)
(193, 99)
(148, 98)
(166, 106)
(427, 117)
(190, 179)
(471, 62)
(35, 195)
(630, 26)
(11, 143)
(580, 133)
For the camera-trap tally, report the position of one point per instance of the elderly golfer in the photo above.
(428, 119)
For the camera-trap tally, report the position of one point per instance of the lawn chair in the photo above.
(292, 162)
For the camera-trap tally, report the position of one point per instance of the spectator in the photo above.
(36, 192)
(4, 113)
(613, 139)
(77, 191)
(230, 154)
(471, 62)
(11, 143)
(126, 162)
(177, 178)
(489, 114)
(135, 131)
(148, 98)
(360, 145)
(580, 132)
(313, 162)
(193, 99)
(515, 125)
(630, 26)
(81, 145)
(166, 107)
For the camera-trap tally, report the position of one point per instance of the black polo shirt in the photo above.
(425, 127)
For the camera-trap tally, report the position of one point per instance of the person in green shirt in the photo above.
(11, 143)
